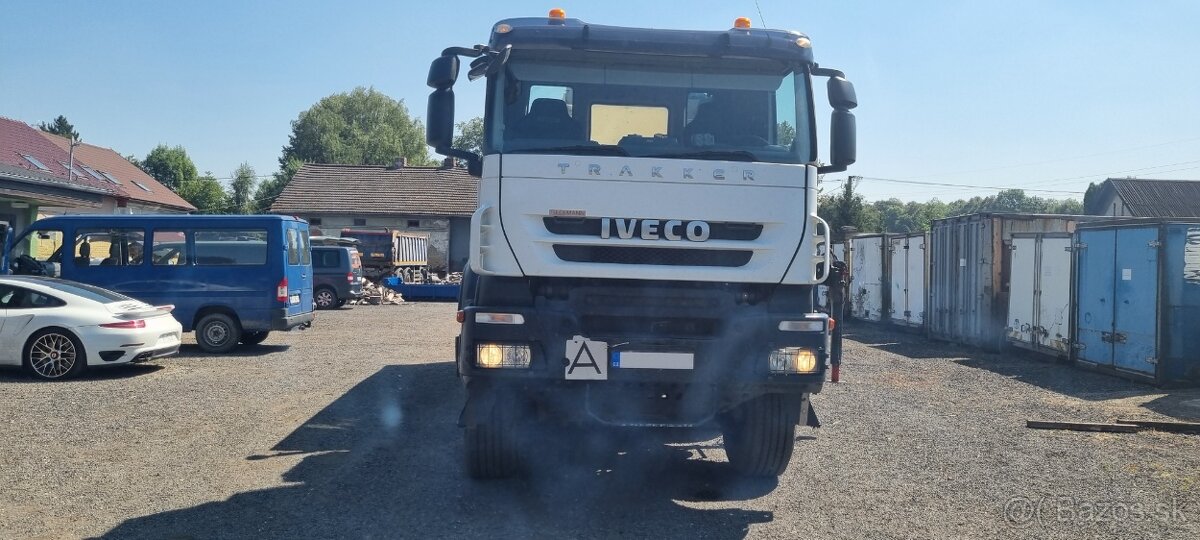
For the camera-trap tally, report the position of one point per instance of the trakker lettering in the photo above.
(654, 229)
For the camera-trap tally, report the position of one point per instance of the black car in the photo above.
(339, 276)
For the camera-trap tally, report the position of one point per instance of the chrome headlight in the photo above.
(793, 360)
(502, 355)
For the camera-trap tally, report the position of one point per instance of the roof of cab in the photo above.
(564, 34)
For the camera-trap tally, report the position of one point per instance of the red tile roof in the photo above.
(109, 161)
(17, 138)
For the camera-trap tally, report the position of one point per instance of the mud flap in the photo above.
(811, 418)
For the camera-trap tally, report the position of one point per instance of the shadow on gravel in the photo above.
(96, 373)
(384, 461)
(241, 351)
(1030, 368)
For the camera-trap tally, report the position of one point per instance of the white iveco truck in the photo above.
(646, 245)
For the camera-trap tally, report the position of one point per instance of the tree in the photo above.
(60, 126)
(848, 209)
(241, 188)
(206, 194)
(360, 127)
(1090, 196)
(269, 189)
(170, 166)
(470, 135)
(785, 133)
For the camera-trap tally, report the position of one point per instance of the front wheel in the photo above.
(492, 449)
(54, 355)
(218, 333)
(759, 436)
(325, 298)
(255, 337)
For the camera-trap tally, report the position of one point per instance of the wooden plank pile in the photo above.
(376, 295)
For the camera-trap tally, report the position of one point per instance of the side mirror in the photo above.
(439, 133)
(841, 93)
(843, 145)
(443, 72)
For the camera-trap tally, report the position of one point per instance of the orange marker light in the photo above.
(558, 13)
(741, 22)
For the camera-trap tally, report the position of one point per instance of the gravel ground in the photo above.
(348, 431)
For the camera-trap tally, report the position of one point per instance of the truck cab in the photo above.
(646, 246)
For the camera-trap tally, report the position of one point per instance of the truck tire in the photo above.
(491, 447)
(759, 437)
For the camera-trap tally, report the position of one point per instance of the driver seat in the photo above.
(548, 119)
(85, 254)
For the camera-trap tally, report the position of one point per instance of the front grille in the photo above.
(591, 227)
(598, 325)
(653, 256)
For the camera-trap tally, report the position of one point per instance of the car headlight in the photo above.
(501, 355)
(793, 360)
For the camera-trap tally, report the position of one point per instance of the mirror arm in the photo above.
(474, 162)
(827, 72)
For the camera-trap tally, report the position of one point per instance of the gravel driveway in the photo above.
(348, 431)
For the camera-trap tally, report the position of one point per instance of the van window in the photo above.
(169, 248)
(325, 258)
(305, 249)
(43, 246)
(293, 246)
(108, 247)
(223, 247)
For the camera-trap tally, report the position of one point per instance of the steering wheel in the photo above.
(28, 266)
(749, 140)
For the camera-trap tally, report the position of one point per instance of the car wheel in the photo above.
(760, 437)
(218, 333)
(254, 338)
(341, 303)
(54, 354)
(325, 298)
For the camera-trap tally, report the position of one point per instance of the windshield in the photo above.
(729, 109)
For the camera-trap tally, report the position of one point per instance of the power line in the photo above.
(1056, 160)
(963, 186)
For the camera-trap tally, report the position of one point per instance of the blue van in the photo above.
(231, 278)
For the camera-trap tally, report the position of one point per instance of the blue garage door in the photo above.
(1094, 295)
(1136, 308)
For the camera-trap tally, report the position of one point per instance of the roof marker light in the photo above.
(558, 13)
(503, 28)
(803, 42)
(742, 22)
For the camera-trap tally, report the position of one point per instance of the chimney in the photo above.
(448, 163)
(400, 163)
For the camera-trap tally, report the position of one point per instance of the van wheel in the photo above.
(54, 355)
(218, 333)
(325, 298)
(759, 437)
(254, 338)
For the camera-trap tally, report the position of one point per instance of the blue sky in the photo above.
(1024, 93)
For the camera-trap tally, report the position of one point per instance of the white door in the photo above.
(1022, 290)
(1054, 294)
(916, 280)
(899, 279)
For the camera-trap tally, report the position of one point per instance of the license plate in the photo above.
(653, 360)
(587, 360)
(294, 299)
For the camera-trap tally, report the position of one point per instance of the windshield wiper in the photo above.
(587, 149)
(728, 155)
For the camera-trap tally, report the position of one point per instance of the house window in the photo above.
(360, 222)
(414, 223)
(34, 161)
(314, 221)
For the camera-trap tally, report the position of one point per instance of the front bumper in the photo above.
(730, 345)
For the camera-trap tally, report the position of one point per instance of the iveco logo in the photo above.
(654, 229)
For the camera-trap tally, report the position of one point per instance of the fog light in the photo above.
(793, 360)
(500, 355)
